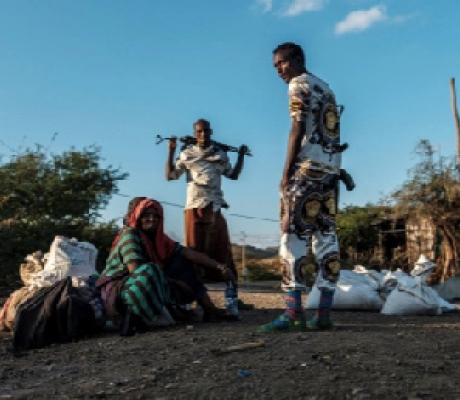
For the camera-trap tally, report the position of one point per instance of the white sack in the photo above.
(389, 281)
(69, 257)
(423, 267)
(369, 277)
(444, 305)
(450, 289)
(354, 291)
(412, 297)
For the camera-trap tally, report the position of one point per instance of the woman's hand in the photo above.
(227, 273)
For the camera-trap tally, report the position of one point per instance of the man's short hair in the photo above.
(291, 50)
(202, 121)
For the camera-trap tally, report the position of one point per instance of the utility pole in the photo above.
(453, 103)
(243, 256)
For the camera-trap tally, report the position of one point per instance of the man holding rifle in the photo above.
(205, 227)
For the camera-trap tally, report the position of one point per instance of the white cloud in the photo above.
(265, 5)
(400, 19)
(300, 6)
(360, 20)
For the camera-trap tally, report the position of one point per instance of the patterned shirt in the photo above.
(204, 168)
(312, 101)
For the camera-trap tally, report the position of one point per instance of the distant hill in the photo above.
(253, 252)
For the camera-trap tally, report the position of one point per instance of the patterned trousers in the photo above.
(308, 210)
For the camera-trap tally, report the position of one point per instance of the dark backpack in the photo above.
(55, 314)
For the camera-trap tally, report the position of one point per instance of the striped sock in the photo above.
(293, 300)
(325, 304)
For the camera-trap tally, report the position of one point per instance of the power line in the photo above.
(168, 203)
(251, 217)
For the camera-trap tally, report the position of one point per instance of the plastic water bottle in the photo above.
(231, 299)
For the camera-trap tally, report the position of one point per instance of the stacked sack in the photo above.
(66, 258)
(390, 292)
(356, 290)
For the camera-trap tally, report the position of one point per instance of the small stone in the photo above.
(355, 391)
(171, 386)
(50, 367)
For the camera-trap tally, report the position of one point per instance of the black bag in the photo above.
(55, 314)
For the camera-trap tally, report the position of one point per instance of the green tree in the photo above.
(357, 231)
(432, 192)
(45, 195)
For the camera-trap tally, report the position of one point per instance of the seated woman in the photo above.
(143, 262)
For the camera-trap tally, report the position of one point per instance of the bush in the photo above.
(45, 195)
(261, 270)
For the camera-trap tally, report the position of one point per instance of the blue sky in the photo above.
(113, 73)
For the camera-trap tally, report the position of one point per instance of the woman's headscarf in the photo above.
(158, 245)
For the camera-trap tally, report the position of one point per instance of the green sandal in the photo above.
(283, 324)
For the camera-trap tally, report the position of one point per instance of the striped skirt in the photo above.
(145, 293)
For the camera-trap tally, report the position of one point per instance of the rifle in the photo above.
(190, 140)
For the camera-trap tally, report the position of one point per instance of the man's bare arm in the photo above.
(235, 173)
(294, 141)
(207, 262)
(169, 167)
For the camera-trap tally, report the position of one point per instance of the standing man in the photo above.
(205, 227)
(308, 190)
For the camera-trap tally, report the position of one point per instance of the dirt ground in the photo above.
(367, 356)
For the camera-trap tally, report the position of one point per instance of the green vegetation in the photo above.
(356, 227)
(45, 195)
(263, 270)
(358, 231)
(432, 192)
